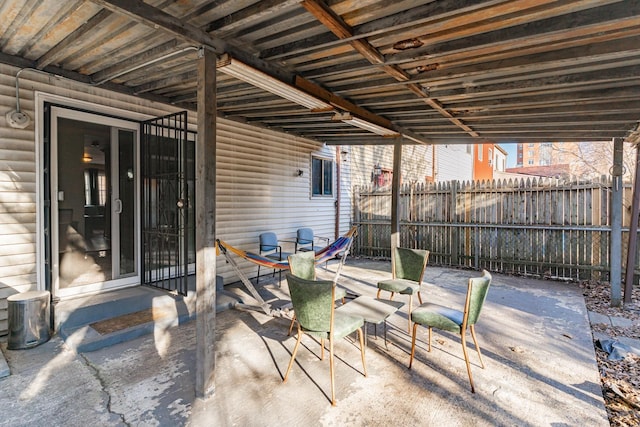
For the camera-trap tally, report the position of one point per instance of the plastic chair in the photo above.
(313, 302)
(303, 265)
(407, 269)
(305, 240)
(270, 245)
(448, 319)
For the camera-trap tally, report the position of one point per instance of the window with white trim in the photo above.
(321, 177)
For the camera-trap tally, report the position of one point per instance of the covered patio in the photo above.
(535, 336)
(348, 73)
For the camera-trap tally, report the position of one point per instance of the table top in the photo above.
(370, 309)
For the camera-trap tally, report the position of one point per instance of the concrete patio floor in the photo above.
(534, 335)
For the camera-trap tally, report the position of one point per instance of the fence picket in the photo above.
(540, 226)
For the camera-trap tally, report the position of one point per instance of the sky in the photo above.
(511, 154)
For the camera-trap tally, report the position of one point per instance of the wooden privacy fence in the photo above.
(543, 227)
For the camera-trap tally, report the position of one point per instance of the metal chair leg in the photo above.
(362, 350)
(466, 358)
(293, 355)
(475, 342)
(413, 344)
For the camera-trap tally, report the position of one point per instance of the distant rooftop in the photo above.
(550, 171)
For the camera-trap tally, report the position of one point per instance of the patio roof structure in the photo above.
(346, 72)
(442, 72)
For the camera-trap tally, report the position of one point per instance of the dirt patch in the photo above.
(620, 379)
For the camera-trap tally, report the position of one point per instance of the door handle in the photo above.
(117, 206)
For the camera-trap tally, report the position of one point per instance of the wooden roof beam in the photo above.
(333, 22)
(156, 18)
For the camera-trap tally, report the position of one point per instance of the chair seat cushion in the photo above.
(340, 292)
(438, 316)
(278, 257)
(310, 248)
(343, 325)
(401, 286)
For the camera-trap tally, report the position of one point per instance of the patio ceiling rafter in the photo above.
(451, 63)
(153, 17)
(342, 30)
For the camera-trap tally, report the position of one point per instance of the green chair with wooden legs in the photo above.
(303, 265)
(452, 320)
(407, 269)
(313, 302)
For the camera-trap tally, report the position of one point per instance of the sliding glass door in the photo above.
(94, 209)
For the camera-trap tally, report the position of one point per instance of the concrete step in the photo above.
(84, 338)
(138, 311)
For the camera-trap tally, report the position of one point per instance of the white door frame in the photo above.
(69, 112)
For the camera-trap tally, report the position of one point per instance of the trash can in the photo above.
(28, 319)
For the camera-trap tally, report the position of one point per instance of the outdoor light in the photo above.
(257, 78)
(377, 170)
(363, 124)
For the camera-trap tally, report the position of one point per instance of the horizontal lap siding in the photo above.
(259, 190)
(17, 198)
(257, 184)
(18, 175)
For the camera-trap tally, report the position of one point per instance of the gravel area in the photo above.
(620, 379)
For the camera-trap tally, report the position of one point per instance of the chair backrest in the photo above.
(303, 264)
(409, 263)
(312, 302)
(304, 236)
(476, 295)
(268, 242)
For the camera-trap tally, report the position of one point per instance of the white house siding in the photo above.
(500, 159)
(259, 189)
(346, 213)
(454, 162)
(257, 184)
(417, 162)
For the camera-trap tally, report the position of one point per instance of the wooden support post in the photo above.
(395, 194)
(633, 233)
(205, 226)
(615, 254)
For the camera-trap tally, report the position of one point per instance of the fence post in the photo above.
(476, 246)
(615, 253)
(455, 231)
(633, 234)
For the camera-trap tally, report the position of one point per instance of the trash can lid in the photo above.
(28, 296)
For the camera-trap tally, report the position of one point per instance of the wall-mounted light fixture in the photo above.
(86, 158)
(232, 67)
(363, 124)
(299, 172)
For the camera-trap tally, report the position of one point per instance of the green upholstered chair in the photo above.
(313, 302)
(407, 269)
(303, 264)
(452, 320)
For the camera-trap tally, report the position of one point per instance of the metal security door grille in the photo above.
(165, 202)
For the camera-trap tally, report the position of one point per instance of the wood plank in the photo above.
(206, 226)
